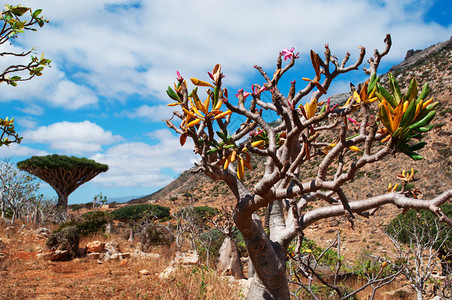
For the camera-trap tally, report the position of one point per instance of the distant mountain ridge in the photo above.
(432, 65)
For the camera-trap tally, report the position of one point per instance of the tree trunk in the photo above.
(62, 201)
(269, 262)
(229, 261)
(132, 234)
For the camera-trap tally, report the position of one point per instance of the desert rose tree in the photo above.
(374, 123)
(16, 19)
(63, 173)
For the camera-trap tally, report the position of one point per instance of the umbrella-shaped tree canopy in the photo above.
(64, 174)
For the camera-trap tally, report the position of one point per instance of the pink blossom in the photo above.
(257, 92)
(353, 121)
(288, 53)
(241, 92)
(179, 77)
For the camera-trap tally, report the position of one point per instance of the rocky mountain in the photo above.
(434, 172)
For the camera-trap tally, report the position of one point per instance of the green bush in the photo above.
(421, 218)
(67, 238)
(136, 212)
(154, 235)
(92, 222)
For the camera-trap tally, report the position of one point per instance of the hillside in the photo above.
(432, 65)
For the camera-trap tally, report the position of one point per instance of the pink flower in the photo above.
(241, 92)
(257, 92)
(353, 121)
(179, 78)
(288, 54)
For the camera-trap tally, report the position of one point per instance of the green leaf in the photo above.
(212, 151)
(417, 146)
(19, 10)
(36, 13)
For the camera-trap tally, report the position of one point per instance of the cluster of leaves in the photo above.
(407, 188)
(8, 132)
(13, 24)
(405, 116)
(136, 212)
(63, 162)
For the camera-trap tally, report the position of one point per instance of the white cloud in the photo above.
(155, 113)
(71, 95)
(73, 138)
(141, 164)
(138, 46)
(15, 150)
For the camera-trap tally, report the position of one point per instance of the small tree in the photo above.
(133, 213)
(64, 174)
(14, 22)
(225, 149)
(420, 242)
(17, 191)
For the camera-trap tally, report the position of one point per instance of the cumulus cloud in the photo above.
(143, 165)
(72, 138)
(15, 150)
(154, 113)
(138, 46)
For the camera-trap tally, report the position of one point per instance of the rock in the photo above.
(144, 272)
(143, 255)
(95, 246)
(93, 255)
(56, 255)
(42, 232)
(124, 262)
(112, 247)
(189, 258)
(167, 273)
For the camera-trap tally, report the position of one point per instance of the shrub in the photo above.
(154, 235)
(135, 212)
(91, 222)
(67, 238)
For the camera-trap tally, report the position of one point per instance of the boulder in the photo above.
(56, 255)
(188, 258)
(42, 232)
(95, 246)
(143, 255)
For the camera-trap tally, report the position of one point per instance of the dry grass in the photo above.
(24, 276)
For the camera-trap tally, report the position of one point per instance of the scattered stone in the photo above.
(56, 255)
(95, 246)
(93, 255)
(145, 272)
(112, 247)
(189, 258)
(124, 262)
(143, 255)
(42, 232)
(167, 273)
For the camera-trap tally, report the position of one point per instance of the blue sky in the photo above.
(104, 97)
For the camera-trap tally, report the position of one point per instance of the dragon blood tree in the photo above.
(63, 173)
(388, 122)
